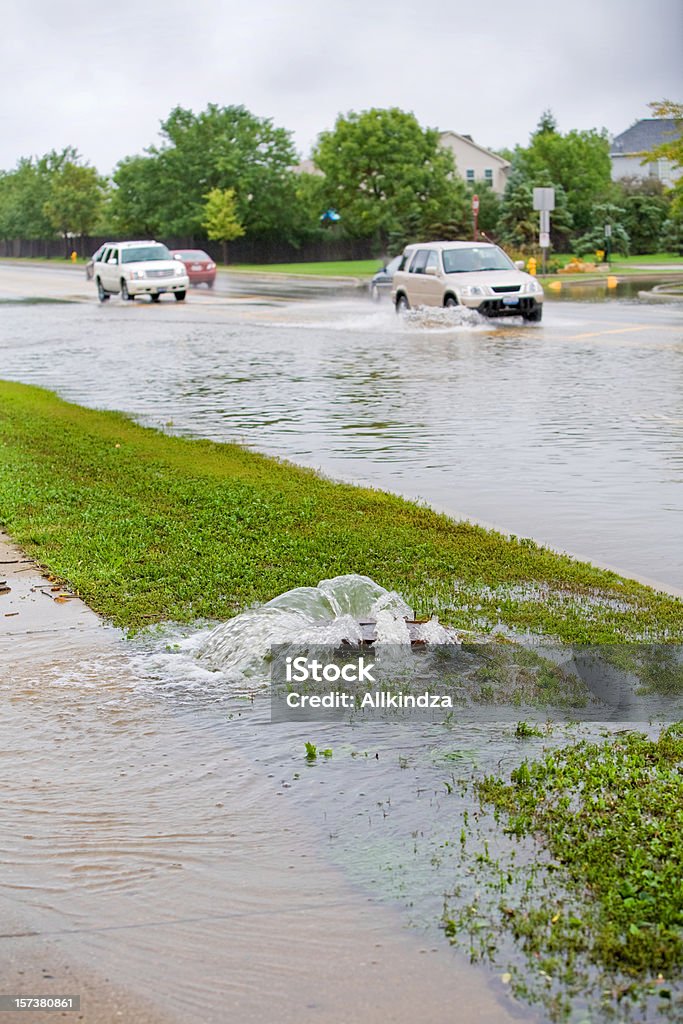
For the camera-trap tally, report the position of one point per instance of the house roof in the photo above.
(470, 142)
(644, 135)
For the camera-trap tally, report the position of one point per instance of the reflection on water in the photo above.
(569, 431)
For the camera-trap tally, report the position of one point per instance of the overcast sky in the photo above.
(100, 76)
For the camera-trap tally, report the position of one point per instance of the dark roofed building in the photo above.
(628, 149)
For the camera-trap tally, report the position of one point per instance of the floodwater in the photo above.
(158, 827)
(569, 431)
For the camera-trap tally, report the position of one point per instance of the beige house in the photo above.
(474, 163)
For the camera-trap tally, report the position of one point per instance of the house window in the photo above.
(469, 173)
(488, 176)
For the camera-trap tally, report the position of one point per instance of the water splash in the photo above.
(330, 614)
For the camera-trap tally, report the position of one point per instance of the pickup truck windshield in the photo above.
(145, 252)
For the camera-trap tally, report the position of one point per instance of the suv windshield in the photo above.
(463, 261)
(145, 252)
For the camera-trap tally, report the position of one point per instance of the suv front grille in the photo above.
(505, 288)
(159, 273)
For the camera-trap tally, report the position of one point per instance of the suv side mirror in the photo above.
(432, 271)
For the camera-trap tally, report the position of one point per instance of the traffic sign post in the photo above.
(544, 202)
(475, 215)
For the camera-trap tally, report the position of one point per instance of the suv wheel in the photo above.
(402, 305)
(125, 294)
(155, 296)
(450, 302)
(179, 296)
(101, 294)
(535, 316)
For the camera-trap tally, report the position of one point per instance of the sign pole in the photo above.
(475, 215)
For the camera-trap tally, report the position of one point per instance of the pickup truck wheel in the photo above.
(125, 294)
(101, 294)
(179, 296)
(155, 298)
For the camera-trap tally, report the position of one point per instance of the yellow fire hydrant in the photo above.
(531, 265)
(74, 256)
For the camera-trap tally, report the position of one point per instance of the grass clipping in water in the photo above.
(605, 913)
(147, 527)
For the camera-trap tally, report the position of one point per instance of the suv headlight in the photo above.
(532, 288)
(179, 271)
(472, 290)
(137, 275)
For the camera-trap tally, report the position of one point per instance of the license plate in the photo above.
(160, 291)
(508, 301)
(195, 266)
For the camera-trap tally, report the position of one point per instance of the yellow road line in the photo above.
(625, 330)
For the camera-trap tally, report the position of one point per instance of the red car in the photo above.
(200, 268)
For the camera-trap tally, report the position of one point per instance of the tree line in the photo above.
(224, 173)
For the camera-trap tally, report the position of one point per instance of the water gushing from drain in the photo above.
(335, 612)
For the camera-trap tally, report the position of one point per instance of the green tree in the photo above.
(578, 162)
(603, 214)
(221, 218)
(136, 207)
(25, 192)
(671, 238)
(646, 207)
(76, 199)
(225, 147)
(388, 177)
(517, 223)
(489, 206)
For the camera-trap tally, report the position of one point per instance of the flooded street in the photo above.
(570, 431)
(161, 835)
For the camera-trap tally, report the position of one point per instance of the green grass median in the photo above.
(149, 527)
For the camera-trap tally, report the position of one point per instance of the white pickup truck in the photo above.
(138, 268)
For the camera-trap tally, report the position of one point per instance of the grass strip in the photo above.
(611, 816)
(147, 527)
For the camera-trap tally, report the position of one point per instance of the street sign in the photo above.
(544, 199)
(475, 204)
(544, 240)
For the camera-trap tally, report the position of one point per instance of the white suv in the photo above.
(138, 268)
(477, 275)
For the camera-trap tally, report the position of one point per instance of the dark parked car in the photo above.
(381, 282)
(200, 268)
